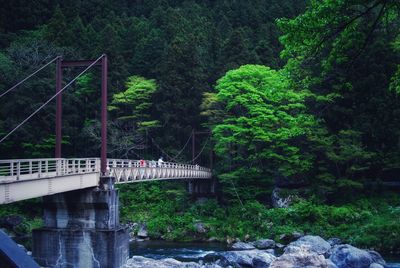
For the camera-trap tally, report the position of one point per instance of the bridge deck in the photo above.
(28, 178)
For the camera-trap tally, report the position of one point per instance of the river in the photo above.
(192, 251)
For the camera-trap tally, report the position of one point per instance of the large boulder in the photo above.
(301, 256)
(289, 237)
(245, 258)
(143, 262)
(263, 261)
(376, 257)
(347, 256)
(334, 241)
(242, 246)
(315, 243)
(264, 243)
(376, 265)
(330, 264)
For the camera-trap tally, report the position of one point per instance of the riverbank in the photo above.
(308, 250)
(371, 222)
(166, 212)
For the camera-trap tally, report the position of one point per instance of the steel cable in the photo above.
(29, 76)
(49, 100)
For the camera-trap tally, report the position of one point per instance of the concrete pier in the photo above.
(81, 229)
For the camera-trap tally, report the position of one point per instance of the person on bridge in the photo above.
(142, 163)
(160, 161)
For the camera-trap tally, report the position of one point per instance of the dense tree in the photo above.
(341, 51)
(259, 126)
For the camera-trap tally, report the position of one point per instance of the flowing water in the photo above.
(182, 251)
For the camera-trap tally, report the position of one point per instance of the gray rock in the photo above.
(297, 235)
(334, 241)
(281, 201)
(263, 261)
(279, 245)
(242, 246)
(376, 265)
(143, 262)
(376, 257)
(270, 251)
(330, 264)
(245, 258)
(213, 239)
(132, 226)
(316, 243)
(264, 243)
(287, 238)
(302, 256)
(142, 232)
(347, 256)
(200, 228)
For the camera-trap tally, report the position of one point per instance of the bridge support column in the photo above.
(81, 229)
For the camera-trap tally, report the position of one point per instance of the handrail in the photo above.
(13, 170)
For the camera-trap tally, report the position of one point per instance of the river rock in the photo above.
(263, 261)
(264, 243)
(334, 241)
(347, 256)
(287, 238)
(200, 228)
(279, 200)
(142, 231)
(376, 257)
(143, 262)
(242, 246)
(245, 258)
(330, 264)
(375, 265)
(300, 256)
(315, 243)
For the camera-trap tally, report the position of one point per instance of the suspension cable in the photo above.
(184, 146)
(29, 76)
(202, 149)
(49, 100)
(162, 151)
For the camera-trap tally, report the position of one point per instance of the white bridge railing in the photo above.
(125, 171)
(28, 178)
(30, 169)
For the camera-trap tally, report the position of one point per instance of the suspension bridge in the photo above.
(81, 206)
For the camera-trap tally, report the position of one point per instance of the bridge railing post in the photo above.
(18, 170)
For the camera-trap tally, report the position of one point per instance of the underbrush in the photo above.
(372, 222)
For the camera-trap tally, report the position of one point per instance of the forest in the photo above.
(300, 100)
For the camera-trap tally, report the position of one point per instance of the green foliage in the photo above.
(257, 118)
(135, 102)
(366, 222)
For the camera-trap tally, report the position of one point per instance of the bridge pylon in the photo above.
(82, 229)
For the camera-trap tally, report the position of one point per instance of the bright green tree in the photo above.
(134, 104)
(260, 127)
